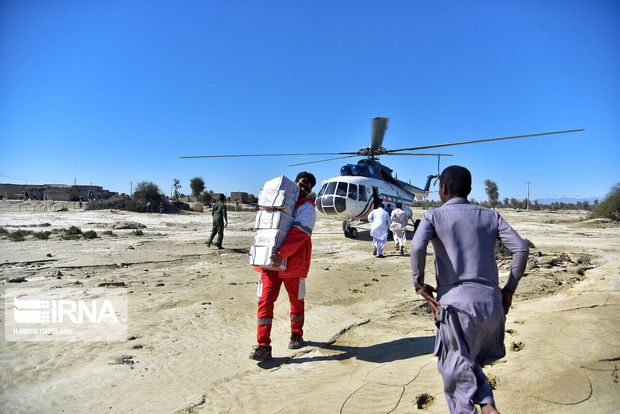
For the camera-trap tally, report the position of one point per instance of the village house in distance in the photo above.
(56, 192)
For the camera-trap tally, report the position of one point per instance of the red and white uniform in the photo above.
(297, 248)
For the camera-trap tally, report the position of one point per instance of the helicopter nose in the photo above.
(331, 205)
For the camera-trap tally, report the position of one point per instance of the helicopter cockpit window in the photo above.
(342, 189)
(372, 171)
(322, 190)
(353, 191)
(363, 193)
(330, 188)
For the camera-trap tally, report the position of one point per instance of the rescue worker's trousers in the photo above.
(268, 290)
(218, 228)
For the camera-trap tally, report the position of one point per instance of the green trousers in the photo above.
(218, 228)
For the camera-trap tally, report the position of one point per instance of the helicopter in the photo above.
(361, 186)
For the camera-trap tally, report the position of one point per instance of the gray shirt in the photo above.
(463, 237)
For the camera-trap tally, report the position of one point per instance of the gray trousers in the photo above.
(464, 343)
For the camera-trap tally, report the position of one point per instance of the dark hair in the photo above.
(308, 176)
(399, 204)
(457, 180)
(222, 197)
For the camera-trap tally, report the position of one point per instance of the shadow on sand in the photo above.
(398, 349)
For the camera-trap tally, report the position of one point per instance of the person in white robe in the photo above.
(399, 227)
(379, 224)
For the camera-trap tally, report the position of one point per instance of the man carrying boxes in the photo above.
(287, 217)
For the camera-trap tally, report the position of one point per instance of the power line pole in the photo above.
(528, 195)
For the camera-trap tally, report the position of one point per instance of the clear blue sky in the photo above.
(112, 92)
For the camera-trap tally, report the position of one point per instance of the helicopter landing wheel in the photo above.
(353, 233)
(347, 234)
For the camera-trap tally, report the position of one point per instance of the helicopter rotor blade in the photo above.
(421, 153)
(267, 155)
(328, 159)
(483, 140)
(379, 125)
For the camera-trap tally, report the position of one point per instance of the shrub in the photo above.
(3, 230)
(179, 205)
(147, 191)
(136, 206)
(90, 234)
(205, 198)
(584, 259)
(138, 232)
(72, 233)
(42, 235)
(118, 203)
(19, 235)
(610, 207)
(109, 233)
(501, 251)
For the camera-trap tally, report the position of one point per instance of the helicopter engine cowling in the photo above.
(345, 170)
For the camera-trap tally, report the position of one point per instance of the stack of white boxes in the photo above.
(273, 221)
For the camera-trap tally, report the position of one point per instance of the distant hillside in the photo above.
(567, 200)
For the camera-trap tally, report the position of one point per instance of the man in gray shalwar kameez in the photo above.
(470, 307)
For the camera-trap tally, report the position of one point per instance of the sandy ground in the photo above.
(192, 322)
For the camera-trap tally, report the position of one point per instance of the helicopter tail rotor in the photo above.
(438, 170)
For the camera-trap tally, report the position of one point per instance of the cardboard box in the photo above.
(279, 193)
(277, 200)
(270, 237)
(260, 256)
(273, 219)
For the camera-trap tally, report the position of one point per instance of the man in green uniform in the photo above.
(220, 222)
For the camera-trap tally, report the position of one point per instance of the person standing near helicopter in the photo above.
(379, 224)
(399, 226)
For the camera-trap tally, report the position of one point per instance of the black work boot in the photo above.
(296, 342)
(261, 353)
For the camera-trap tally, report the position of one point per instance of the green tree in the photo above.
(176, 184)
(610, 206)
(492, 192)
(147, 191)
(205, 198)
(197, 185)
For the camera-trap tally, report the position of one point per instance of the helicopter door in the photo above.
(375, 196)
